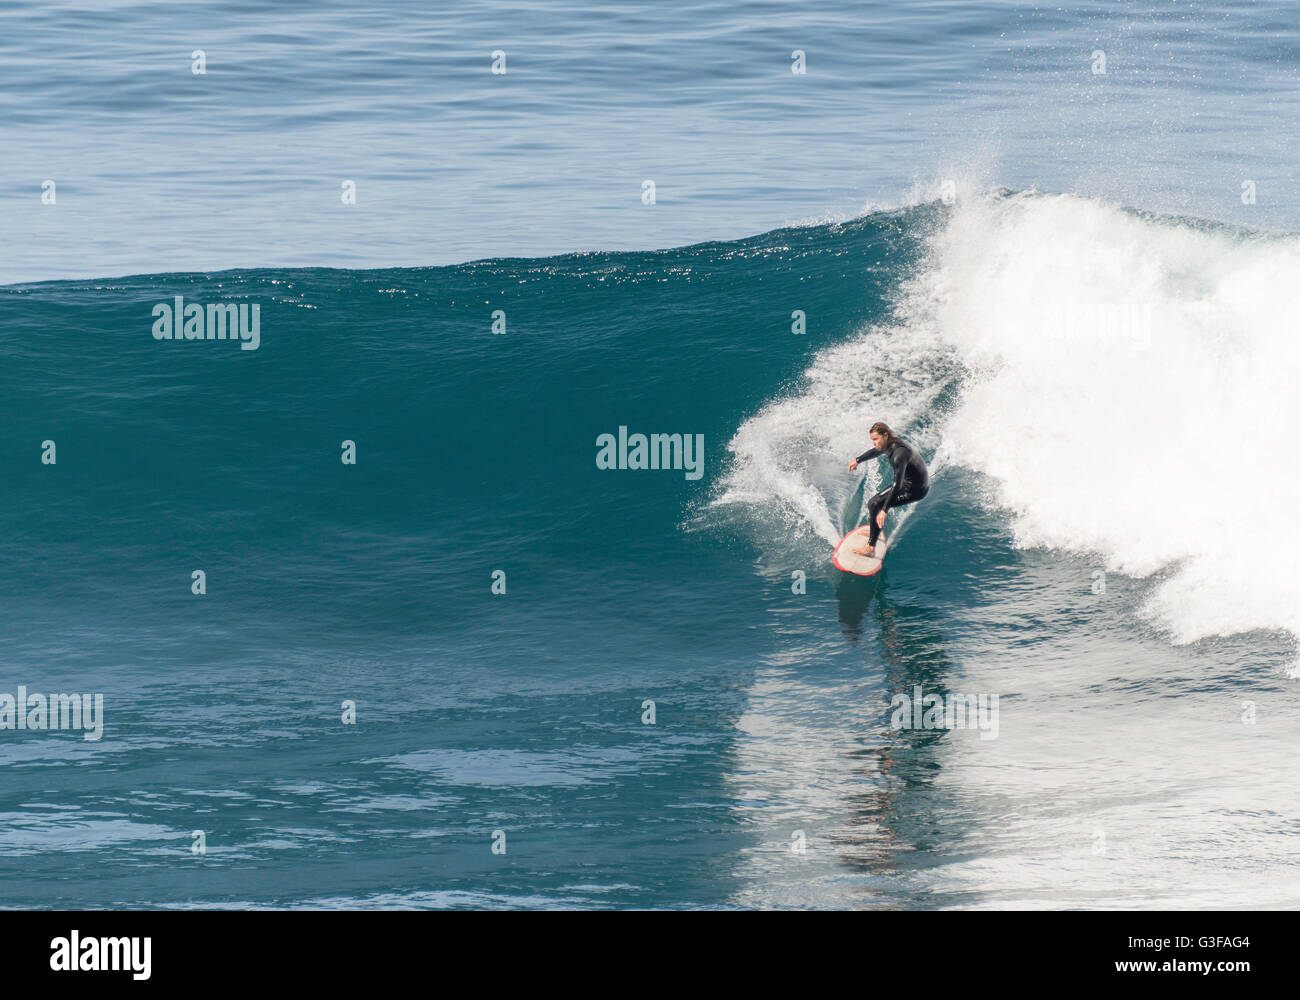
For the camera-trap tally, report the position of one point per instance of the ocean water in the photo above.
(472, 668)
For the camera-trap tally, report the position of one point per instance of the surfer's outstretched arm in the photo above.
(870, 453)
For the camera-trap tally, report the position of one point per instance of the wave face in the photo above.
(1067, 365)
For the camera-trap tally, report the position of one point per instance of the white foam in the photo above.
(1131, 391)
(1135, 396)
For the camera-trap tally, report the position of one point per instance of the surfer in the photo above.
(911, 480)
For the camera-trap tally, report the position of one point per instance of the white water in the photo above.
(1130, 393)
(1135, 396)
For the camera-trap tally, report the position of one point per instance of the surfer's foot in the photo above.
(867, 550)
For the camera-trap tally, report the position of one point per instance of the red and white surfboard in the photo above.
(844, 557)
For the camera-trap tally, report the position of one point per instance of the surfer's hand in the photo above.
(880, 519)
(853, 465)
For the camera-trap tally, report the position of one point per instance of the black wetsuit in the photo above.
(911, 481)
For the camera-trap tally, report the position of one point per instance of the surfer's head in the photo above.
(881, 436)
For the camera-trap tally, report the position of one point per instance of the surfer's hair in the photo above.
(882, 428)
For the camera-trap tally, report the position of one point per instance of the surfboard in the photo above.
(845, 559)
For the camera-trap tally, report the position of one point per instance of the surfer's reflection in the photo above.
(895, 814)
(854, 594)
(912, 645)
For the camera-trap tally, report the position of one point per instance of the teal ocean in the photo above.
(438, 657)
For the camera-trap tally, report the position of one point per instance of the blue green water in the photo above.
(1145, 676)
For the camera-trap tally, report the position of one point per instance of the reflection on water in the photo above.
(817, 756)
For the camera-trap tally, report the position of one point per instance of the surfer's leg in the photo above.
(872, 509)
(906, 496)
(874, 506)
